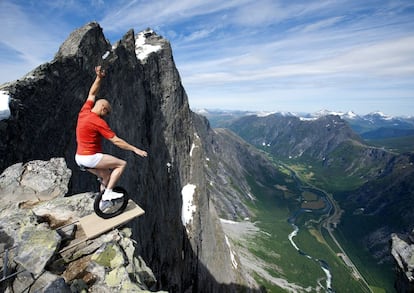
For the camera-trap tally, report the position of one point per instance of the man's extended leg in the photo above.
(104, 174)
(117, 166)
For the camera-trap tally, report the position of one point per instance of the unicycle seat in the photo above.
(83, 168)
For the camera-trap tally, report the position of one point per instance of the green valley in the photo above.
(327, 214)
(276, 202)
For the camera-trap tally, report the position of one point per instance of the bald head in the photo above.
(102, 107)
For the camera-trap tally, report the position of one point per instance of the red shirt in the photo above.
(90, 130)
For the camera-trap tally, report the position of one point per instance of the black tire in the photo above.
(120, 204)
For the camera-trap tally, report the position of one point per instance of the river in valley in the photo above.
(319, 212)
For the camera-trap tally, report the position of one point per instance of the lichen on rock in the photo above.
(36, 243)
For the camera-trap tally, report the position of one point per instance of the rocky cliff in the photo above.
(403, 253)
(150, 110)
(390, 199)
(229, 162)
(42, 246)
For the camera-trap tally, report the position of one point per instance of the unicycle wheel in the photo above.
(111, 208)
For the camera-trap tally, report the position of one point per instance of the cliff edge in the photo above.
(180, 237)
(403, 253)
(41, 244)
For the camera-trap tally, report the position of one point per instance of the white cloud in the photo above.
(140, 14)
(385, 59)
(32, 42)
(278, 51)
(257, 13)
(390, 58)
(322, 24)
(200, 34)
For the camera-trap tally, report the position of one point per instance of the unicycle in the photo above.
(109, 208)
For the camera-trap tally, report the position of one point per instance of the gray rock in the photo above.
(65, 210)
(48, 179)
(36, 246)
(34, 181)
(58, 285)
(78, 286)
(403, 252)
(25, 282)
(12, 221)
(33, 242)
(10, 178)
(143, 273)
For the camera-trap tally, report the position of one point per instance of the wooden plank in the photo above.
(93, 225)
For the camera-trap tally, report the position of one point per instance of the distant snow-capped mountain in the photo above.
(375, 123)
(373, 116)
(325, 112)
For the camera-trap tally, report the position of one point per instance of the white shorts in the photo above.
(88, 161)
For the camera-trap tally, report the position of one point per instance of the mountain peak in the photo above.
(150, 110)
(380, 115)
(146, 43)
(351, 115)
(347, 116)
(324, 112)
(80, 40)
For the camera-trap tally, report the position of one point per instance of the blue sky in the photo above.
(299, 56)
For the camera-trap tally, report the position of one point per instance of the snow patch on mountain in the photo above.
(188, 207)
(142, 49)
(4, 105)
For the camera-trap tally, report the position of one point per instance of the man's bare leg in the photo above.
(104, 174)
(117, 165)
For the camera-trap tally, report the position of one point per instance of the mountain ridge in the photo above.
(323, 112)
(150, 110)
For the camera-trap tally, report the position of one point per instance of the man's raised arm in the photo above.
(100, 73)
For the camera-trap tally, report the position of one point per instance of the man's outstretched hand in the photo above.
(141, 153)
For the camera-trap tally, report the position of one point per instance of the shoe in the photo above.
(104, 205)
(110, 194)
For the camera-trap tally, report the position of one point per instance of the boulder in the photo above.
(36, 246)
(35, 181)
(403, 253)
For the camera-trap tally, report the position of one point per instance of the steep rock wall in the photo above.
(150, 110)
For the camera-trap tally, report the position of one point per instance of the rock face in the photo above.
(229, 160)
(403, 253)
(36, 238)
(150, 110)
(34, 181)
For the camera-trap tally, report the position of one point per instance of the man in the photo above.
(89, 132)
